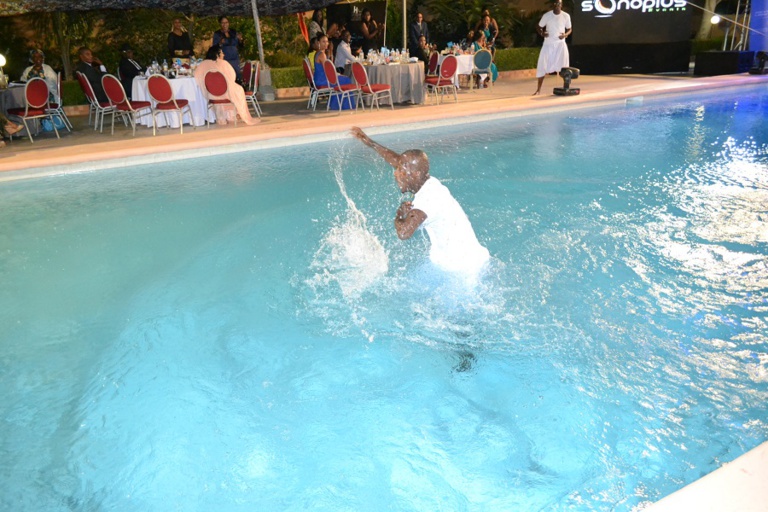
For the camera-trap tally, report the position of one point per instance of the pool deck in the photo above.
(288, 122)
(737, 486)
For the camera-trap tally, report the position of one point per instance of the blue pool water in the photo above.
(247, 333)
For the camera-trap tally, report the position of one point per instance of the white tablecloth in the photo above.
(184, 88)
(465, 65)
(406, 80)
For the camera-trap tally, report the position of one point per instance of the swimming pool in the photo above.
(247, 333)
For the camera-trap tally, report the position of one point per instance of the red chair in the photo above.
(434, 62)
(216, 87)
(341, 91)
(122, 106)
(57, 107)
(315, 92)
(37, 106)
(374, 91)
(96, 107)
(445, 80)
(250, 92)
(161, 92)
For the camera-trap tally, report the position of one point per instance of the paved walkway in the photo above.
(288, 121)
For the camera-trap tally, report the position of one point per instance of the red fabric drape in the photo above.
(303, 26)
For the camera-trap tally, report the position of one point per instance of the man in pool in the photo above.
(454, 246)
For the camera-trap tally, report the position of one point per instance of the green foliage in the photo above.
(524, 31)
(394, 25)
(281, 34)
(14, 49)
(288, 77)
(72, 94)
(453, 19)
(705, 45)
(282, 59)
(510, 59)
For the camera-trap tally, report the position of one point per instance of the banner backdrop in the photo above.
(759, 23)
(630, 21)
(349, 14)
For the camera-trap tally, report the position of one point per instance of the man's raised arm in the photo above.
(390, 156)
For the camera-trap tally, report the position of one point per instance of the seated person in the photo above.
(320, 57)
(478, 41)
(423, 52)
(39, 69)
(335, 37)
(311, 52)
(179, 44)
(214, 60)
(88, 67)
(344, 54)
(477, 45)
(129, 69)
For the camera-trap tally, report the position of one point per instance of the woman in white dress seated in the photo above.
(214, 60)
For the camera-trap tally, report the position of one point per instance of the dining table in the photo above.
(12, 97)
(184, 87)
(406, 80)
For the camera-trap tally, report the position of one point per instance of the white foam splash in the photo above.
(349, 254)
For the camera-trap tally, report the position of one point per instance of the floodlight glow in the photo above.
(715, 19)
(2, 60)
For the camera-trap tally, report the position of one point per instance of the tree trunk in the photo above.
(64, 42)
(705, 29)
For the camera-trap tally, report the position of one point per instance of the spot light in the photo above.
(567, 74)
(3, 78)
(715, 19)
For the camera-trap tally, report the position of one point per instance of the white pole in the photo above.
(405, 27)
(258, 32)
(384, 42)
(266, 90)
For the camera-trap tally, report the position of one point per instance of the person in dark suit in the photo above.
(417, 30)
(129, 69)
(93, 69)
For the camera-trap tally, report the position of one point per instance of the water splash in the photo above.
(350, 254)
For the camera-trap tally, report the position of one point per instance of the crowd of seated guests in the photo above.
(333, 44)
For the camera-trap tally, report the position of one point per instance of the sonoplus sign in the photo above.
(597, 22)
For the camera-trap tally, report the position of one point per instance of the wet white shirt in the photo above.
(454, 246)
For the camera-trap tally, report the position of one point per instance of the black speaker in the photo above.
(722, 63)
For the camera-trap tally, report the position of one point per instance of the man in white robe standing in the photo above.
(554, 27)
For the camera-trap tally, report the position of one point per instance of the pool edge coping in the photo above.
(273, 136)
